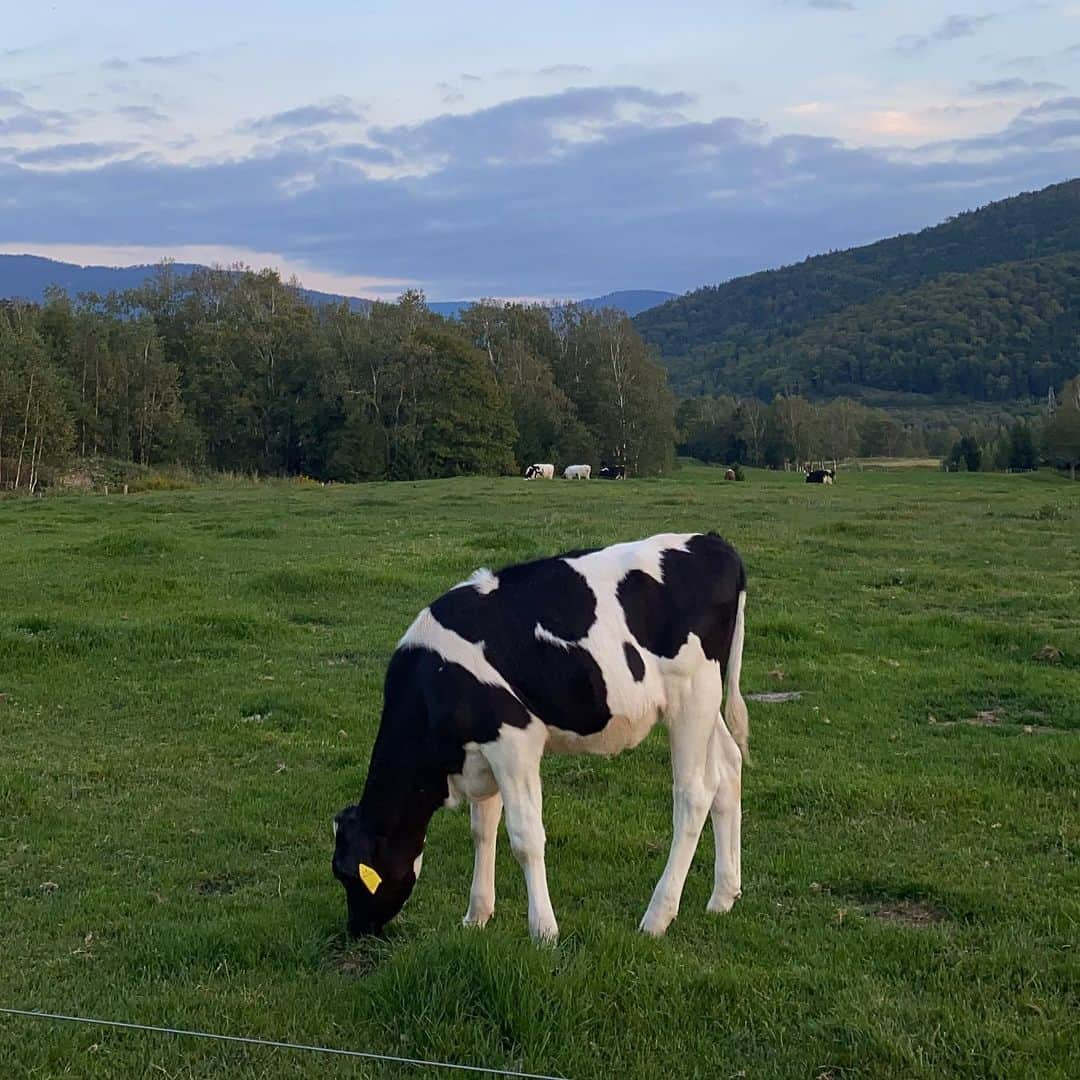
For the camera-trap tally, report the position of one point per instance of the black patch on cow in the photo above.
(562, 685)
(634, 661)
(699, 594)
(549, 592)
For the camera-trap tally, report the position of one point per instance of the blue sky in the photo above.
(478, 148)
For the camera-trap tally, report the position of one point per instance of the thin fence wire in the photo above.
(367, 1055)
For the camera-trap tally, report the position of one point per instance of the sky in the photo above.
(500, 149)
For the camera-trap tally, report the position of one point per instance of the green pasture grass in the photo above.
(189, 688)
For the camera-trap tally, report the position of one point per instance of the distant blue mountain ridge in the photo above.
(26, 277)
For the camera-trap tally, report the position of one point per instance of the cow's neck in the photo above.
(400, 797)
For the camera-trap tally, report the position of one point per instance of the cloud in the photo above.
(35, 122)
(171, 59)
(952, 28)
(529, 127)
(10, 98)
(168, 60)
(572, 193)
(823, 5)
(466, 77)
(142, 114)
(338, 111)
(73, 153)
(1014, 86)
(564, 69)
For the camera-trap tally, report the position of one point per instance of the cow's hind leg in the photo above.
(694, 775)
(485, 815)
(727, 820)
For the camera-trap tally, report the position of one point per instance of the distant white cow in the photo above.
(577, 472)
(540, 472)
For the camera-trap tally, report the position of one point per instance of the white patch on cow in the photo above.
(335, 826)
(543, 634)
(418, 862)
(612, 564)
(475, 781)
(482, 580)
(427, 632)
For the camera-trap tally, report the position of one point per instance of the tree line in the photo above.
(229, 369)
(794, 430)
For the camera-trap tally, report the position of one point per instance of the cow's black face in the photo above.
(377, 882)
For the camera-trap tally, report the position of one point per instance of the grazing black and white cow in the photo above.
(577, 654)
(540, 472)
(820, 476)
(612, 472)
(577, 472)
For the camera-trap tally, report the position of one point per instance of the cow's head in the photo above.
(377, 878)
(530, 472)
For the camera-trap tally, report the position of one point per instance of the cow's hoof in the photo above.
(721, 903)
(545, 933)
(655, 924)
(477, 917)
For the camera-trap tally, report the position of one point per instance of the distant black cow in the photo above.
(820, 476)
(612, 472)
(577, 654)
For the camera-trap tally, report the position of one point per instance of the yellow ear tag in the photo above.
(370, 878)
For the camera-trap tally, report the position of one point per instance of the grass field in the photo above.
(189, 688)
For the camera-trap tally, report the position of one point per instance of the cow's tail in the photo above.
(736, 717)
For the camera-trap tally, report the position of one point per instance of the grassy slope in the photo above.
(140, 638)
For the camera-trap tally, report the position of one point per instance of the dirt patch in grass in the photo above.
(994, 718)
(775, 697)
(909, 913)
(1048, 654)
(217, 885)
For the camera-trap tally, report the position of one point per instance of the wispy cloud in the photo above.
(36, 122)
(10, 98)
(823, 5)
(1015, 86)
(142, 114)
(950, 29)
(564, 69)
(165, 60)
(171, 59)
(338, 111)
(74, 153)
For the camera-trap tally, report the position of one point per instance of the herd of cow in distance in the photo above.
(546, 471)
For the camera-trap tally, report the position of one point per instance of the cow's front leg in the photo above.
(484, 815)
(515, 761)
(694, 779)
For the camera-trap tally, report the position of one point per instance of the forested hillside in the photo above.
(750, 335)
(238, 371)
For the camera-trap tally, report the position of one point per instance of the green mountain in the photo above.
(977, 307)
